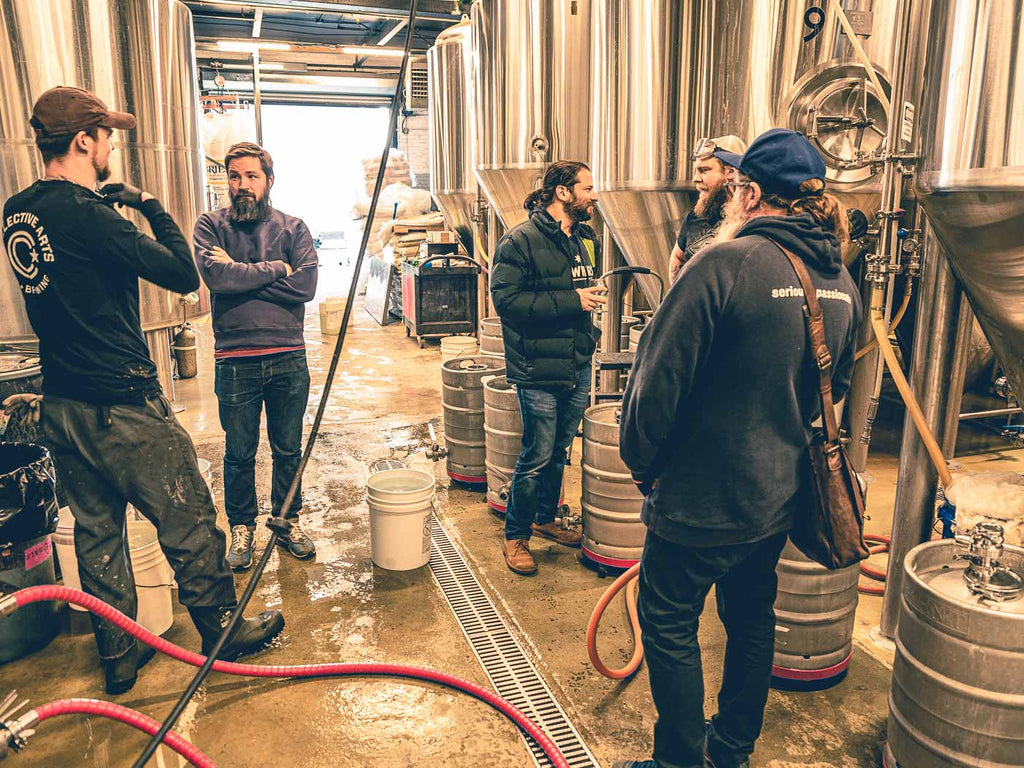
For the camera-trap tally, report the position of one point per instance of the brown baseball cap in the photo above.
(63, 110)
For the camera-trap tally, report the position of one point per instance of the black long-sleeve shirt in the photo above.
(78, 263)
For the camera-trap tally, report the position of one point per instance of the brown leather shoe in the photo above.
(555, 532)
(518, 557)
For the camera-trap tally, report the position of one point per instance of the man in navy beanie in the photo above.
(716, 421)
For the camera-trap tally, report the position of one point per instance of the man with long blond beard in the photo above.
(714, 161)
(716, 421)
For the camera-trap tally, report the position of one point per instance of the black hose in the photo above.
(278, 524)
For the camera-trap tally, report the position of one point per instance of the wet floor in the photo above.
(341, 608)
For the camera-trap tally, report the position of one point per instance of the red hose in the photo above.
(881, 546)
(629, 580)
(127, 716)
(37, 594)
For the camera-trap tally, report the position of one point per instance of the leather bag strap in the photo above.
(815, 322)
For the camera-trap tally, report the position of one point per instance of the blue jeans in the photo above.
(550, 420)
(244, 385)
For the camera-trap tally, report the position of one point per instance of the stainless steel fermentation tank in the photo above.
(971, 179)
(532, 94)
(452, 131)
(136, 55)
(668, 72)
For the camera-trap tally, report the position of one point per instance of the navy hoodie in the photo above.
(255, 303)
(723, 393)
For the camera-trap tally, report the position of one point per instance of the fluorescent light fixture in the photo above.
(268, 65)
(242, 46)
(257, 22)
(372, 50)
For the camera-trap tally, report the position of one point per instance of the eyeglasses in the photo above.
(732, 186)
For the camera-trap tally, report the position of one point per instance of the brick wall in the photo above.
(412, 139)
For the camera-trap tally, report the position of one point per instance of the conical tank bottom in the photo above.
(457, 208)
(506, 188)
(978, 216)
(645, 225)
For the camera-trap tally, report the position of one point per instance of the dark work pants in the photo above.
(550, 420)
(244, 386)
(674, 582)
(108, 457)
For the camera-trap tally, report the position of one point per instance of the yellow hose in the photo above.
(930, 443)
(892, 326)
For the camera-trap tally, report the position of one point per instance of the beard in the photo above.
(579, 211)
(102, 171)
(246, 208)
(711, 202)
(733, 218)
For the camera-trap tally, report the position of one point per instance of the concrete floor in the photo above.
(342, 608)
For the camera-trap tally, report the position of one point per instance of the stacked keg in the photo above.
(491, 343)
(814, 618)
(613, 535)
(462, 395)
(503, 429)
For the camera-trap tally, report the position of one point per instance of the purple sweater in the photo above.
(254, 303)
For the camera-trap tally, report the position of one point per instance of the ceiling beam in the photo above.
(434, 10)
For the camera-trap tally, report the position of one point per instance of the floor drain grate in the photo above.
(509, 669)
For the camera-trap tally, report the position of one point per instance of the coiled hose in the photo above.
(629, 581)
(881, 545)
(31, 595)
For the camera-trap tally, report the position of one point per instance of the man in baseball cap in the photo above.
(65, 111)
(716, 420)
(113, 434)
(714, 160)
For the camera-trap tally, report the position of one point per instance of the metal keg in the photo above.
(626, 325)
(814, 617)
(503, 427)
(957, 697)
(462, 395)
(612, 532)
(634, 336)
(491, 343)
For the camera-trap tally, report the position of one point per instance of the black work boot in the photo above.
(122, 672)
(249, 636)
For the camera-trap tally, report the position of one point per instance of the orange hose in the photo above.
(629, 580)
(881, 546)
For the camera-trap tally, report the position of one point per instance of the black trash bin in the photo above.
(28, 515)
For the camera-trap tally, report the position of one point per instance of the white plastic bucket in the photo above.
(153, 574)
(64, 542)
(401, 503)
(458, 346)
(332, 309)
(153, 577)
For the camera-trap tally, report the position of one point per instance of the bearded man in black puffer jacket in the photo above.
(542, 287)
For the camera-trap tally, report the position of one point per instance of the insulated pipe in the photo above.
(892, 196)
(24, 597)
(920, 463)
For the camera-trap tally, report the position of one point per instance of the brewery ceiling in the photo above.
(313, 51)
